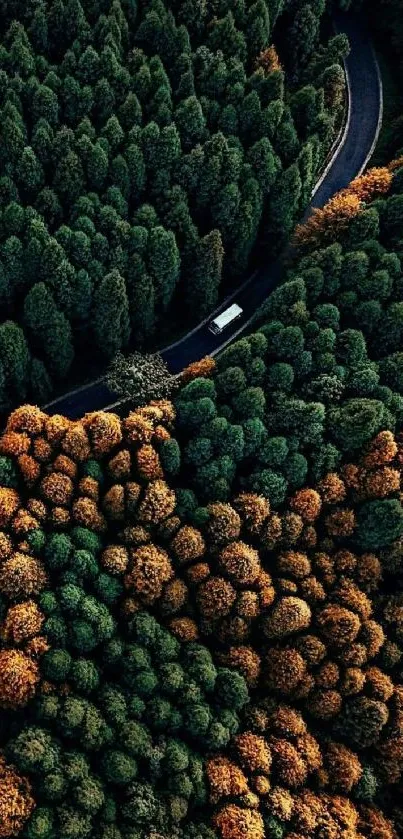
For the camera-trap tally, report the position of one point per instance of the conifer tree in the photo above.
(49, 328)
(111, 323)
(204, 282)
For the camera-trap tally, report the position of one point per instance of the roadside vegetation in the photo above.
(322, 373)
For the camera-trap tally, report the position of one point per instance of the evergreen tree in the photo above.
(97, 167)
(135, 162)
(264, 162)
(163, 265)
(49, 328)
(224, 35)
(203, 285)
(284, 202)
(303, 36)
(190, 121)
(15, 361)
(258, 28)
(111, 314)
(275, 9)
(69, 178)
(306, 168)
(142, 305)
(12, 255)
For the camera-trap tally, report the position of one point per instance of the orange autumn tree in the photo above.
(268, 60)
(205, 367)
(396, 164)
(376, 181)
(16, 800)
(324, 225)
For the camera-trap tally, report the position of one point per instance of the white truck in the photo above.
(225, 318)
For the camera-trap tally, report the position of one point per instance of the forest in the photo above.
(142, 147)
(171, 668)
(201, 592)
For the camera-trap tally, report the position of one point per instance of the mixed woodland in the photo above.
(201, 599)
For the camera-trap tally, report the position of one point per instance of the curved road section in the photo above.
(364, 119)
(365, 112)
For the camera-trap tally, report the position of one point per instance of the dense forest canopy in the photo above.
(142, 147)
(323, 373)
(200, 603)
(201, 600)
(174, 669)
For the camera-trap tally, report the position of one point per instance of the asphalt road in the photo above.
(350, 159)
(365, 109)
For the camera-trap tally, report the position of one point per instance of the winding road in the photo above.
(364, 117)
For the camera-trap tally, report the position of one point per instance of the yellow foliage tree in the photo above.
(325, 224)
(205, 368)
(268, 60)
(16, 801)
(19, 676)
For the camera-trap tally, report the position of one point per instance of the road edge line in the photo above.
(380, 112)
(337, 146)
(73, 392)
(250, 320)
(343, 136)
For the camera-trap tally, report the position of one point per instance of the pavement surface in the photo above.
(349, 160)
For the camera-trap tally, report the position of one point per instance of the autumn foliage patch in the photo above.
(232, 670)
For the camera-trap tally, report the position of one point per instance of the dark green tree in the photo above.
(15, 361)
(190, 121)
(257, 28)
(163, 265)
(283, 203)
(357, 420)
(303, 35)
(111, 324)
(379, 523)
(49, 328)
(204, 281)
